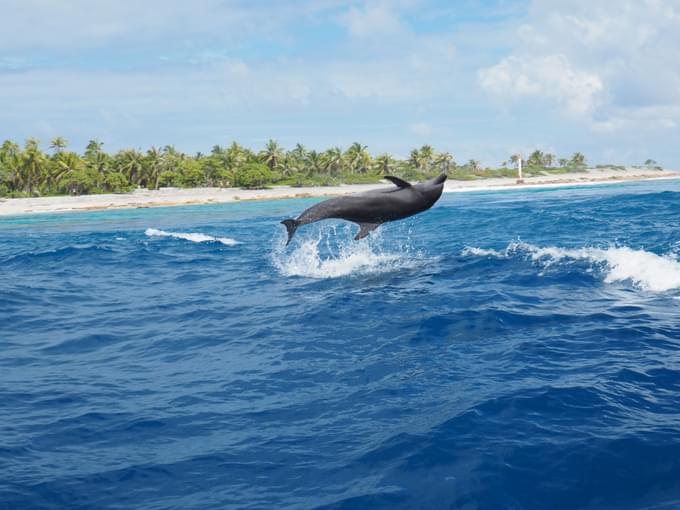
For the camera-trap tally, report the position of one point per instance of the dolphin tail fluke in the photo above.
(291, 227)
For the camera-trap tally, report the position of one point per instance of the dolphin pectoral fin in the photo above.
(365, 229)
(397, 181)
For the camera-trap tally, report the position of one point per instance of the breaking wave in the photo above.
(193, 237)
(646, 270)
(333, 253)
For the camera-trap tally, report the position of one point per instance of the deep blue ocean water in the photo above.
(515, 349)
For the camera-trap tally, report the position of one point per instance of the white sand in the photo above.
(174, 196)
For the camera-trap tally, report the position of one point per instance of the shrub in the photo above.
(79, 182)
(191, 174)
(253, 176)
(168, 178)
(360, 178)
(116, 182)
(223, 177)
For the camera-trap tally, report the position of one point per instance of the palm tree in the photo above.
(426, 155)
(10, 163)
(58, 144)
(32, 165)
(578, 159)
(235, 157)
(535, 158)
(313, 163)
(474, 165)
(153, 167)
(299, 152)
(132, 165)
(272, 155)
(548, 159)
(444, 161)
(333, 160)
(290, 165)
(384, 164)
(416, 160)
(65, 163)
(95, 157)
(92, 148)
(563, 162)
(9, 149)
(358, 158)
(97, 160)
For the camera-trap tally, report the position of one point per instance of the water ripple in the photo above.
(508, 350)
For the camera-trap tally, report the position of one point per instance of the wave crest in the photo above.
(646, 270)
(193, 237)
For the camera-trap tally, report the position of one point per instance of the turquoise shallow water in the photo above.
(503, 350)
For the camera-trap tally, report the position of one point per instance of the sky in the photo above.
(481, 79)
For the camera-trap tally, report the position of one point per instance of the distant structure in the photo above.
(519, 169)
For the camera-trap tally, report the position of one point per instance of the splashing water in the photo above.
(331, 252)
(193, 237)
(646, 270)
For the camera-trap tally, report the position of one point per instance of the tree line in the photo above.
(29, 171)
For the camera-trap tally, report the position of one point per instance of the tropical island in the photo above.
(166, 176)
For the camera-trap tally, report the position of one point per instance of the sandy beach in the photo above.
(166, 197)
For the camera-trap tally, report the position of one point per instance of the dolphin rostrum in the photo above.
(370, 209)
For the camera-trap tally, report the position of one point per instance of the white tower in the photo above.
(519, 169)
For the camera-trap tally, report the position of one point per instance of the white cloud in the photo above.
(381, 80)
(82, 24)
(640, 119)
(44, 24)
(60, 97)
(550, 76)
(50, 101)
(372, 20)
(611, 62)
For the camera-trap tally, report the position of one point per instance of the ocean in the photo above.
(503, 350)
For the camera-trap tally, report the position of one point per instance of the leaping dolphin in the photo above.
(371, 209)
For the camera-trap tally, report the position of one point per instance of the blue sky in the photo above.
(480, 79)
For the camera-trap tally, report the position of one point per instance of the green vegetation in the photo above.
(28, 171)
(253, 175)
(652, 165)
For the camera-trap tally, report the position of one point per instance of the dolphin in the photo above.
(371, 209)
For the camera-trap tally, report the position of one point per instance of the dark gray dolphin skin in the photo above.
(370, 209)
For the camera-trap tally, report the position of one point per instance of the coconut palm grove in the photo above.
(28, 170)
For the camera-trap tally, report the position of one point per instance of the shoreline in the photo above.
(170, 197)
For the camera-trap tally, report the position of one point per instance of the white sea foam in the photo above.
(333, 254)
(646, 270)
(471, 251)
(193, 237)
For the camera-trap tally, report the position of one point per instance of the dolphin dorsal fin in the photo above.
(397, 181)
